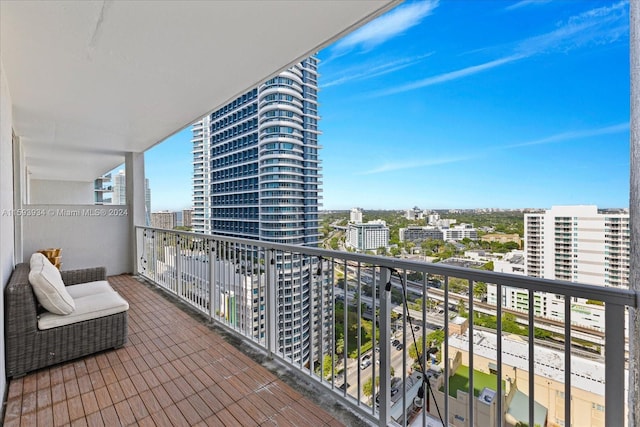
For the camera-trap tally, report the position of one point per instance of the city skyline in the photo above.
(465, 103)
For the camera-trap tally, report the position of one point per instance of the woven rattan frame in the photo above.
(27, 348)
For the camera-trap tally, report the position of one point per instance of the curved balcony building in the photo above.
(257, 176)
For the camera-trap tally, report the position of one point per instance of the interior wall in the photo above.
(6, 206)
(88, 235)
(50, 192)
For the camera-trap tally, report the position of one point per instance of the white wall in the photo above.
(88, 235)
(6, 204)
(44, 192)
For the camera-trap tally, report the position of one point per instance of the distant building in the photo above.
(459, 232)
(502, 238)
(187, 217)
(419, 234)
(356, 216)
(167, 220)
(414, 214)
(257, 175)
(103, 190)
(433, 218)
(511, 263)
(587, 383)
(579, 244)
(369, 236)
(119, 189)
(414, 233)
(444, 222)
(573, 243)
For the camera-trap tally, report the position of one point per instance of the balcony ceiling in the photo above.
(90, 81)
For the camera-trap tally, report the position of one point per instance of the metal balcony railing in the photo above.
(344, 319)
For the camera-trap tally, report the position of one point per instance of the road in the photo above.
(353, 366)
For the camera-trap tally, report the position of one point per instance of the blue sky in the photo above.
(463, 104)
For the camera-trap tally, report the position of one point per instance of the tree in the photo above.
(462, 310)
(479, 290)
(415, 276)
(512, 245)
(340, 346)
(412, 349)
(457, 285)
(435, 338)
(367, 387)
(334, 244)
(327, 366)
(488, 266)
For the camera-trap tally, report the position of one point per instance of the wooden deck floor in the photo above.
(174, 371)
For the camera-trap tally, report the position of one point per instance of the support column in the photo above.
(634, 212)
(134, 173)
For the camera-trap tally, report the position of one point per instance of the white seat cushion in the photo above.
(89, 288)
(48, 286)
(87, 308)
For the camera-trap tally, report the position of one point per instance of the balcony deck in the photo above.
(173, 371)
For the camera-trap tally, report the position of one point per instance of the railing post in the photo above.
(614, 365)
(634, 212)
(271, 311)
(178, 268)
(213, 295)
(385, 349)
(137, 250)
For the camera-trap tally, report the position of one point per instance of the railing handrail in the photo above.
(609, 295)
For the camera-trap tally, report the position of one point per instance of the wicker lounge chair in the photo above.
(28, 348)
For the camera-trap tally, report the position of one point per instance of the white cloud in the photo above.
(524, 3)
(387, 26)
(389, 167)
(572, 135)
(594, 27)
(371, 70)
(452, 75)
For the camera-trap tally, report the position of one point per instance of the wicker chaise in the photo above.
(28, 348)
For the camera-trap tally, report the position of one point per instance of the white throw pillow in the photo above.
(48, 286)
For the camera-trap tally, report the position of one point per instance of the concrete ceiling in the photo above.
(91, 80)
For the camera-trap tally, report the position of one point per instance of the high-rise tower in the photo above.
(257, 176)
(256, 166)
(579, 244)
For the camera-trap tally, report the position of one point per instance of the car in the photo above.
(365, 364)
(394, 391)
(395, 342)
(400, 346)
(344, 386)
(416, 328)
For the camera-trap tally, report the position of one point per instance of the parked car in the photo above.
(344, 386)
(394, 391)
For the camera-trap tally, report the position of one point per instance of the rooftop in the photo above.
(174, 370)
(585, 374)
(460, 381)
